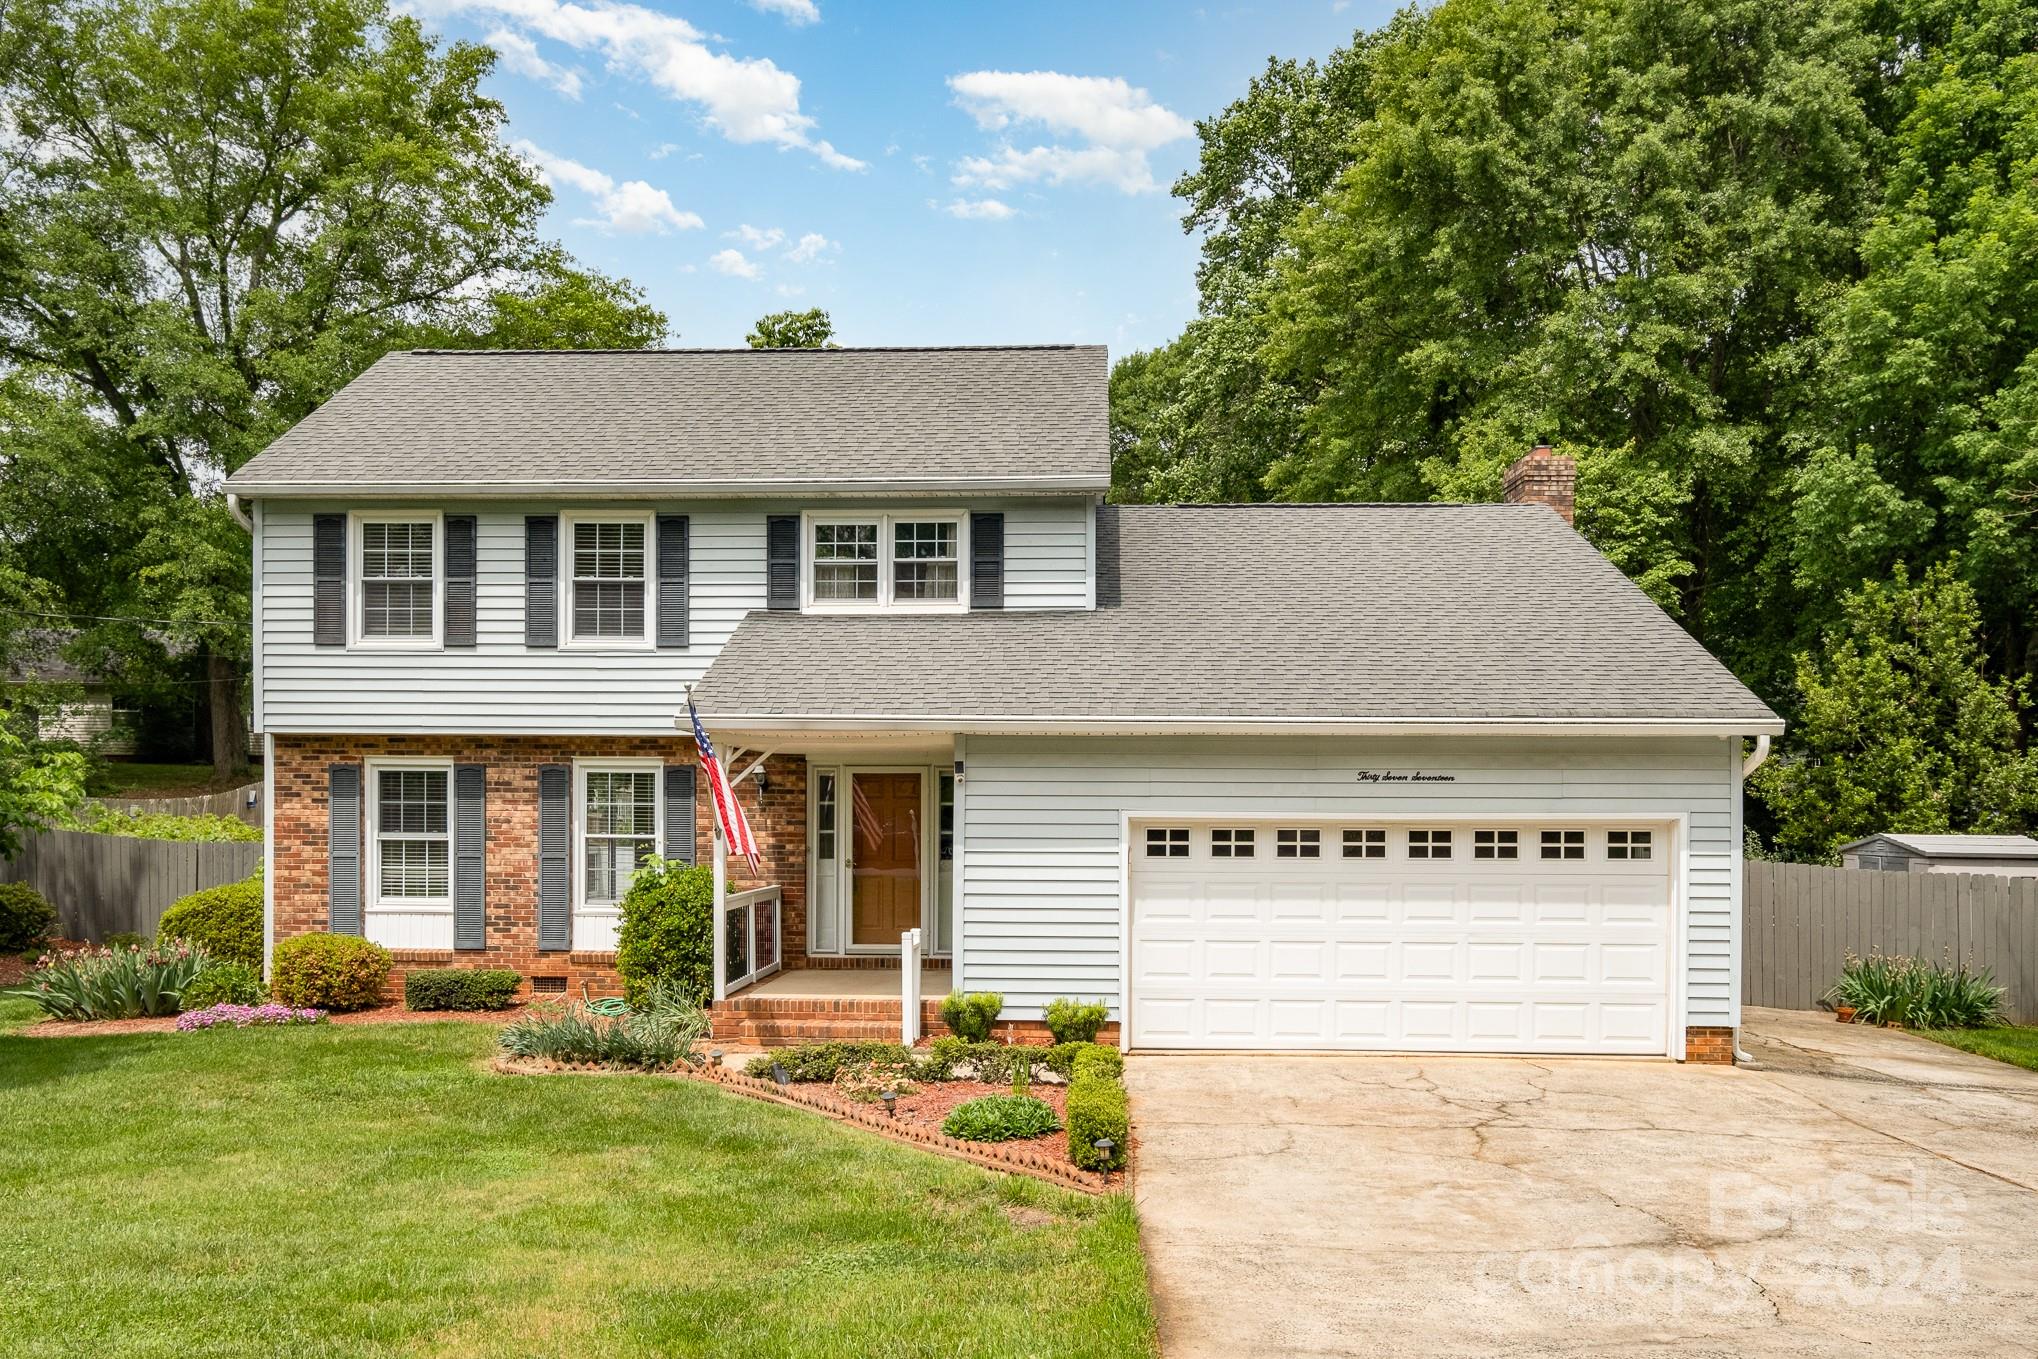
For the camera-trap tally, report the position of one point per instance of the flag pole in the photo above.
(720, 897)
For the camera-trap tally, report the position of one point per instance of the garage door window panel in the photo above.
(1630, 845)
(1429, 844)
(1365, 843)
(1496, 844)
(1296, 843)
(1231, 842)
(1167, 842)
(1563, 844)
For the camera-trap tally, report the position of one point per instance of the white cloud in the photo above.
(732, 263)
(979, 209)
(794, 12)
(1118, 125)
(811, 246)
(662, 150)
(746, 99)
(754, 238)
(632, 207)
(520, 56)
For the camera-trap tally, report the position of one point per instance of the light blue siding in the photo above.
(1042, 897)
(502, 687)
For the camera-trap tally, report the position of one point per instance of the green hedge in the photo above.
(224, 921)
(667, 931)
(970, 1017)
(942, 1060)
(223, 984)
(460, 988)
(1096, 1110)
(824, 1061)
(204, 826)
(1093, 1060)
(331, 971)
(1073, 1021)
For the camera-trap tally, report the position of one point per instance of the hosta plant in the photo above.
(1917, 993)
(109, 983)
(1000, 1118)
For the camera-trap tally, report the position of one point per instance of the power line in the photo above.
(122, 618)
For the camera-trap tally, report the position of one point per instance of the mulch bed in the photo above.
(15, 969)
(381, 1014)
(934, 1099)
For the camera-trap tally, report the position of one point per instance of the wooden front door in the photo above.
(884, 866)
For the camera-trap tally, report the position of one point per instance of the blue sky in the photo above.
(930, 174)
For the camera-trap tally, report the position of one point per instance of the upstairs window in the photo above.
(885, 561)
(607, 581)
(398, 570)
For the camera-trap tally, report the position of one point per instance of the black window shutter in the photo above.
(329, 580)
(555, 810)
(343, 848)
(987, 561)
(541, 580)
(679, 814)
(673, 551)
(782, 561)
(470, 857)
(460, 571)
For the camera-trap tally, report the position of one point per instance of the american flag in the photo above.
(728, 811)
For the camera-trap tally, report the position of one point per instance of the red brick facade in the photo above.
(778, 818)
(1714, 1047)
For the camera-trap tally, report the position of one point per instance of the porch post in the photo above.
(721, 922)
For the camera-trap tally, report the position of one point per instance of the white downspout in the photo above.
(1753, 762)
(240, 514)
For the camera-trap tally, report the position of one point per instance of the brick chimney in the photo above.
(1544, 477)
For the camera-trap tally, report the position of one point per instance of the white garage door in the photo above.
(1530, 937)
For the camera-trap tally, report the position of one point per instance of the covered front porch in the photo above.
(850, 923)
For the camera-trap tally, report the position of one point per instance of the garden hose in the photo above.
(608, 1007)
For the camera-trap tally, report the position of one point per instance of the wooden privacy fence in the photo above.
(1800, 923)
(244, 802)
(108, 884)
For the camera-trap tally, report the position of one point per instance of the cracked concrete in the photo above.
(1860, 1190)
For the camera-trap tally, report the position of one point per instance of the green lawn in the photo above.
(366, 1191)
(2019, 1047)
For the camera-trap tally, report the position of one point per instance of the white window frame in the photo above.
(373, 898)
(357, 585)
(567, 524)
(581, 769)
(886, 583)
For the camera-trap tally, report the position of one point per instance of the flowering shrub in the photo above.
(114, 983)
(332, 971)
(241, 1016)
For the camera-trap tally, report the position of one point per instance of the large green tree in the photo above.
(809, 329)
(1768, 268)
(213, 213)
(1899, 727)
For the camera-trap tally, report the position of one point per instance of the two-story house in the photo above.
(1400, 777)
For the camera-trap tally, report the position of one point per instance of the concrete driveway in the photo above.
(1863, 1191)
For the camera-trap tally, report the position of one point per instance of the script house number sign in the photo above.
(1404, 776)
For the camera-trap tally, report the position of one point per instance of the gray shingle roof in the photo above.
(1958, 846)
(702, 421)
(1327, 612)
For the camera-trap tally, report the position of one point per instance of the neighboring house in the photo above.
(1401, 777)
(2009, 856)
(93, 714)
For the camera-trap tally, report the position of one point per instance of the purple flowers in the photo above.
(240, 1016)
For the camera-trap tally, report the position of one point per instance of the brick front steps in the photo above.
(782, 1021)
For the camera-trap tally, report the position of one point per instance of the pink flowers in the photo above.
(241, 1016)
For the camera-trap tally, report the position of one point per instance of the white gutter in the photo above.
(234, 508)
(1756, 757)
(754, 488)
(866, 723)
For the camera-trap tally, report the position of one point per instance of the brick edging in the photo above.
(990, 1155)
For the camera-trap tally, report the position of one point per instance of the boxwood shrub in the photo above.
(224, 921)
(667, 931)
(1073, 1021)
(1097, 1110)
(330, 971)
(825, 1061)
(26, 918)
(970, 1017)
(460, 988)
(1094, 1060)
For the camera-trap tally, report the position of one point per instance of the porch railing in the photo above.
(750, 932)
(909, 987)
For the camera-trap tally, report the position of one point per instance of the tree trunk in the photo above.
(229, 728)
